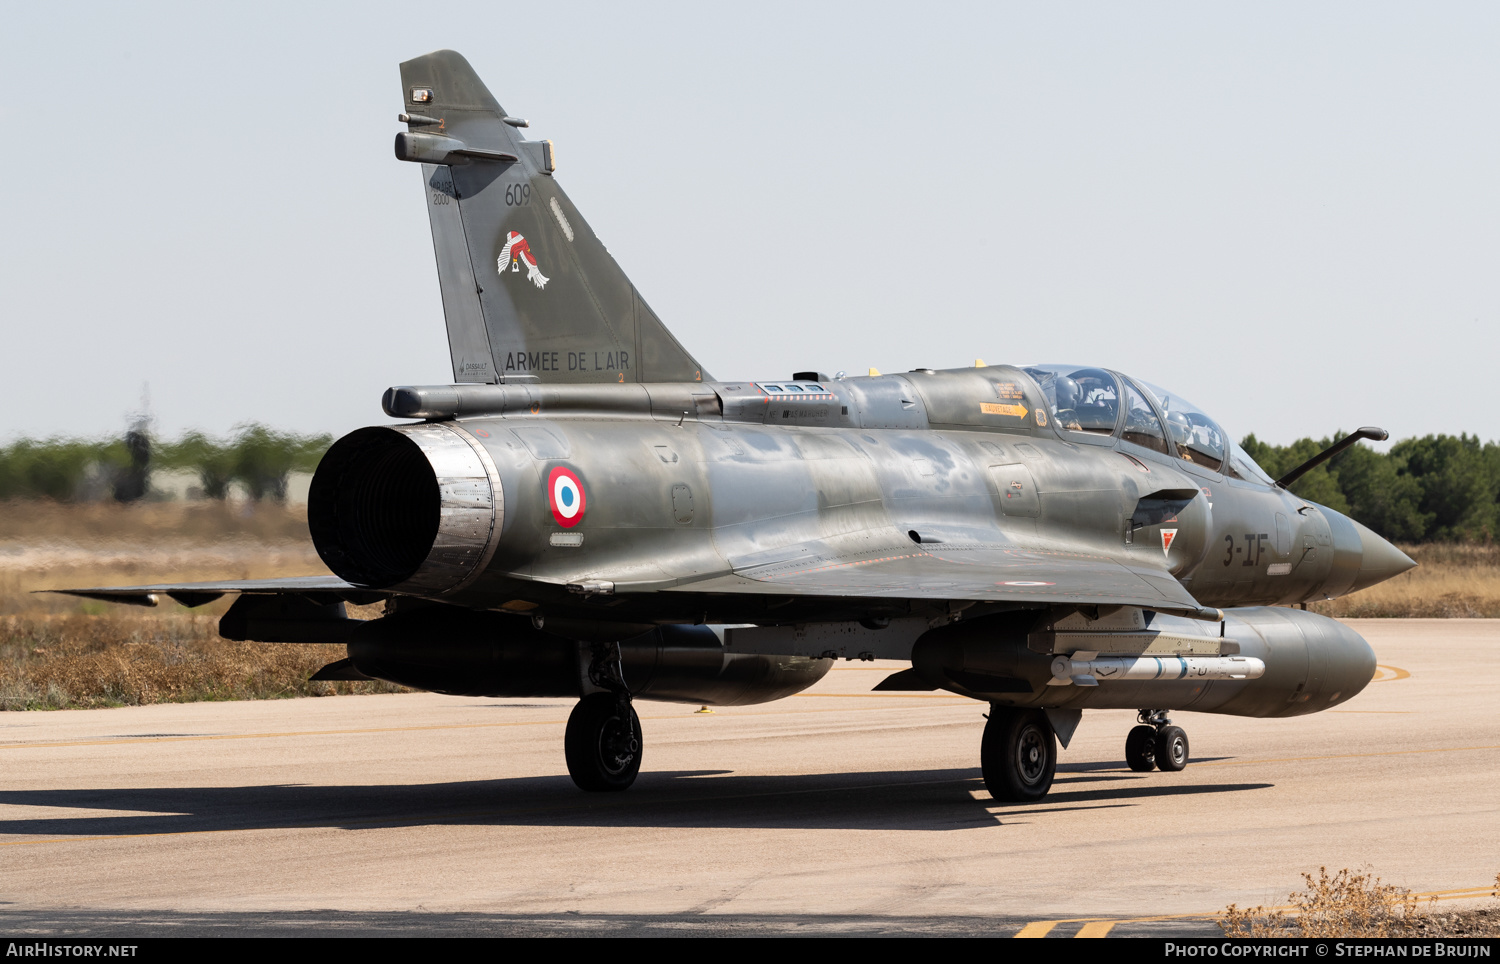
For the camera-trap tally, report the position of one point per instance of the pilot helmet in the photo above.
(1180, 427)
(1068, 393)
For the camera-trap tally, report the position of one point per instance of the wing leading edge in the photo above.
(201, 593)
(961, 572)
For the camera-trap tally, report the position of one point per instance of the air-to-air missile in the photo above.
(587, 513)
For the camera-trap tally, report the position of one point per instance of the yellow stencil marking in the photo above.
(1096, 928)
(1037, 928)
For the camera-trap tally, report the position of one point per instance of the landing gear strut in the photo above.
(1018, 754)
(1155, 742)
(603, 739)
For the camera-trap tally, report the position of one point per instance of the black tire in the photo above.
(601, 753)
(1171, 748)
(1018, 755)
(1140, 748)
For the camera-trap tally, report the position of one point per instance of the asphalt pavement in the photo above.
(838, 811)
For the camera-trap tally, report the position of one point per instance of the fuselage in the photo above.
(684, 483)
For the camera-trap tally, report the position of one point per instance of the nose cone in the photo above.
(1360, 557)
(1378, 560)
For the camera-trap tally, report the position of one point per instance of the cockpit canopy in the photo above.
(1100, 403)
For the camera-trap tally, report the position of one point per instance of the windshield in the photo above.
(1242, 466)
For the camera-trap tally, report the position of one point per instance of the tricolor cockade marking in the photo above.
(565, 497)
(517, 251)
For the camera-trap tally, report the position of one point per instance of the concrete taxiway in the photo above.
(839, 811)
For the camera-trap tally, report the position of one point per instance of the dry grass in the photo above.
(64, 652)
(40, 523)
(47, 545)
(1450, 581)
(50, 662)
(1348, 904)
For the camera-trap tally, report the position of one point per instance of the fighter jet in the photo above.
(586, 512)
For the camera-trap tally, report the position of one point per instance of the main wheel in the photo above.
(1018, 754)
(1171, 748)
(604, 753)
(1140, 748)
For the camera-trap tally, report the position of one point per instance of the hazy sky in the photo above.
(1289, 213)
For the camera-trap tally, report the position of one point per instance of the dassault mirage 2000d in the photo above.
(587, 513)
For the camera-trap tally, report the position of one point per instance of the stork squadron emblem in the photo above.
(517, 252)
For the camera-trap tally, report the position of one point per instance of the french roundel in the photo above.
(565, 497)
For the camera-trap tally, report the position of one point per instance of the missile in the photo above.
(1091, 669)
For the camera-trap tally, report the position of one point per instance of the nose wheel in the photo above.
(1018, 754)
(1156, 743)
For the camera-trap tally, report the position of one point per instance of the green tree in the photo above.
(213, 461)
(263, 458)
(1459, 485)
(51, 469)
(1380, 495)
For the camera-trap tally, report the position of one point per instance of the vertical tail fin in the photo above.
(529, 292)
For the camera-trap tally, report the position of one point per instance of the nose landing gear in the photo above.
(1156, 743)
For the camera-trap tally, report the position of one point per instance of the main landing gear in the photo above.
(603, 740)
(1156, 743)
(1018, 754)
